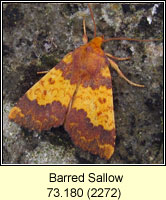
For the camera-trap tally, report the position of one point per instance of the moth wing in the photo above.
(45, 104)
(90, 120)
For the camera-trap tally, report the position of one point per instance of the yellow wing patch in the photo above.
(45, 104)
(105, 72)
(98, 104)
(52, 87)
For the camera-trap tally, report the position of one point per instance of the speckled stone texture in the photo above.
(36, 36)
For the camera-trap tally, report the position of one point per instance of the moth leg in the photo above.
(43, 72)
(84, 38)
(117, 58)
(115, 66)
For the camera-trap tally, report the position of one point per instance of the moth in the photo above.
(76, 93)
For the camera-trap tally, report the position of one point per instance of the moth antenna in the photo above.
(92, 16)
(130, 39)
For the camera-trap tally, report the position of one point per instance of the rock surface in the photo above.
(36, 36)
